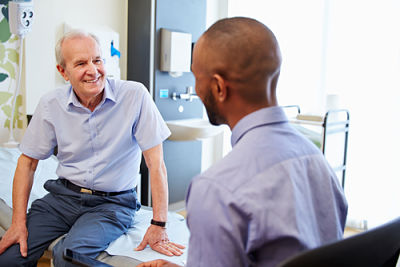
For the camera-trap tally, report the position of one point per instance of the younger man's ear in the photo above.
(219, 87)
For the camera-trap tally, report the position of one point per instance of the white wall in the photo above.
(216, 9)
(300, 36)
(50, 16)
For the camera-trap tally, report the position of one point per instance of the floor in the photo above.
(43, 263)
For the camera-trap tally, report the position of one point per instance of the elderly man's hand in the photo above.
(16, 234)
(158, 240)
(157, 263)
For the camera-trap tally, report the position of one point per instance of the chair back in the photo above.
(379, 246)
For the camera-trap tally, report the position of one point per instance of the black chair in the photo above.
(379, 246)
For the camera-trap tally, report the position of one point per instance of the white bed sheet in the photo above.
(46, 170)
(176, 229)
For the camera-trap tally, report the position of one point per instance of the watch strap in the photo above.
(158, 223)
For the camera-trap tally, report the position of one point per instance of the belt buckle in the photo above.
(86, 191)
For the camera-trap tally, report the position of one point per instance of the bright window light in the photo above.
(349, 48)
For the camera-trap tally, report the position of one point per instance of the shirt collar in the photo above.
(264, 116)
(108, 94)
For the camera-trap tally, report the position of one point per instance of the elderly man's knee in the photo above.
(12, 257)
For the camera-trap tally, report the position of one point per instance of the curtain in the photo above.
(9, 68)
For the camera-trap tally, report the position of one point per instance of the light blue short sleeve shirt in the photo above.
(100, 150)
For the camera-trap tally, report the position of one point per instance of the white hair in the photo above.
(75, 33)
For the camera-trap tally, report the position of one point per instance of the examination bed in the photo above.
(120, 252)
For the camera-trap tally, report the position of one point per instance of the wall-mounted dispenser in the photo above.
(176, 52)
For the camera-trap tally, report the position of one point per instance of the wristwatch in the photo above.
(158, 223)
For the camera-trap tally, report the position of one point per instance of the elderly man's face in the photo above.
(84, 67)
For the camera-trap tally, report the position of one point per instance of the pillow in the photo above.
(46, 170)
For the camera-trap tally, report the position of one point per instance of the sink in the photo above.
(192, 129)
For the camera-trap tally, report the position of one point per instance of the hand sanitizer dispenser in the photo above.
(176, 52)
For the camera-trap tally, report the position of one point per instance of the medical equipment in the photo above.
(333, 125)
(21, 15)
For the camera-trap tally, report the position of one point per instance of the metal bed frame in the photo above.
(329, 126)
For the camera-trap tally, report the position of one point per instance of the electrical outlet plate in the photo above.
(20, 16)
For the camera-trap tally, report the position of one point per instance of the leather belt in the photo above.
(84, 190)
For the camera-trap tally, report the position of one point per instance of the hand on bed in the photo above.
(158, 240)
(16, 234)
(157, 263)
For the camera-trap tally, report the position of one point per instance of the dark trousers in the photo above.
(91, 223)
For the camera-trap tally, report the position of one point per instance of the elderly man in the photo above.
(274, 194)
(100, 127)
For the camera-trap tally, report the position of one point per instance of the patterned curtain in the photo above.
(9, 67)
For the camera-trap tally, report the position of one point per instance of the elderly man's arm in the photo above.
(156, 236)
(22, 185)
